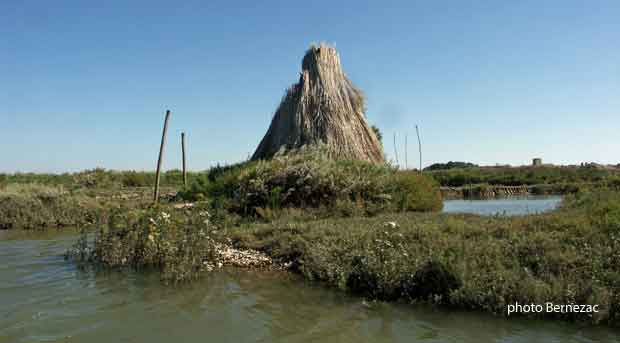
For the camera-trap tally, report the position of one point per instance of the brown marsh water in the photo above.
(44, 298)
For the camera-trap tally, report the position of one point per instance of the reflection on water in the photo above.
(44, 298)
(511, 206)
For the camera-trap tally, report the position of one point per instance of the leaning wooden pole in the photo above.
(419, 146)
(406, 159)
(396, 151)
(161, 157)
(184, 160)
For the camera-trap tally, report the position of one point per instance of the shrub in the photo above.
(412, 191)
(310, 179)
(378, 133)
(95, 178)
(171, 177)
(179, 244)
(137, 179)
(543, 189)
(434, 281)
(614, 183)
(196, 191)
(215, 172)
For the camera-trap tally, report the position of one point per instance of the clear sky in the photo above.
(86, 84)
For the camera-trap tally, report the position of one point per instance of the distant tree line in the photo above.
(450, 165)
(516, 176)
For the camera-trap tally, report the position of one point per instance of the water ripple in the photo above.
(44, 298)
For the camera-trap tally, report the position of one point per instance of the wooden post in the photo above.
(184, 161)
(406, 159)
(161, 157)
(396, 151)
(419, 146)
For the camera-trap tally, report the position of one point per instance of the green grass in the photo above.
(36, 206)
(311, 181)
(309, 184)
(32, 206)
(465, 261)
(571, 255)
(99, 178)
(363, 228)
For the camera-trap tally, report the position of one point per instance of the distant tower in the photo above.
(537, 162)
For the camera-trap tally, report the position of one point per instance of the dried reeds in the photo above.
(323, 107)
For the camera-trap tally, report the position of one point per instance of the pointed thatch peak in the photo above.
(323, 107)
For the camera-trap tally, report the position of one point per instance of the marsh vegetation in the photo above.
(360, 227)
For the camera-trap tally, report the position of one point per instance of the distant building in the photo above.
(537, 162)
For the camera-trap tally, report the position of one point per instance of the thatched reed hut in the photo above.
(324, 107)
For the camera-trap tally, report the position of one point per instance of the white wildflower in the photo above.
(391, 225)
(165, 216)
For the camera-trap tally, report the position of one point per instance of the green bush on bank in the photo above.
(412, 191)
(466, 261)
(177, 243)
(309, 179)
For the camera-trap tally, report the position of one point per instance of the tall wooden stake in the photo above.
(184, 163)
(406, 160)
(161, 156)
(419, 146)
(396, 151)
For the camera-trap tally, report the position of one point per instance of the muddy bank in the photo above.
(492, 191)
(484, 191)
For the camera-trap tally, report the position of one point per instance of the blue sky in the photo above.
(86, 84)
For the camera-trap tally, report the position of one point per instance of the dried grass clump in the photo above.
(323, 107)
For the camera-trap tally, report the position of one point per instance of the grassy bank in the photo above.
(561, 177)
(464, 261)
(98, 178)
(303, 186)
(363, 228)
(36, 206)
(308, 184)
(311, 182)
